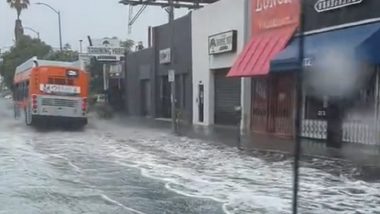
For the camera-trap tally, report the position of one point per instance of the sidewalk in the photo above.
(363, 155)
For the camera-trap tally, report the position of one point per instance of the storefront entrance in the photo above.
(146, 97)
(227, 97)
(165, 98)
(272, 105)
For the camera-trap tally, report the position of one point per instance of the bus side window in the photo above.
(23, 91)
(17, 92)
(27, 89)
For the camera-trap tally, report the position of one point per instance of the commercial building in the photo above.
(147, 71)
(341, 69)
(272, 97)
(178, 59)
(140, 83)
(341, 58)
(218, 36)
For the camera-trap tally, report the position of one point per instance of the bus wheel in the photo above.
(80, 124)
(28, 116)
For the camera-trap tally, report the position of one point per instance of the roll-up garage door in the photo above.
(227, 97)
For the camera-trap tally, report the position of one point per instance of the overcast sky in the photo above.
(97, 18)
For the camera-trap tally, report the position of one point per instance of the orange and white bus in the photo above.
(45, 90)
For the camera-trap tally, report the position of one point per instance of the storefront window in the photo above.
(315, 107)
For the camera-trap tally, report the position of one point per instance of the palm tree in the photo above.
(19, 5)
(127, 44)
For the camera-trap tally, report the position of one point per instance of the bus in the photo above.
(51, 90)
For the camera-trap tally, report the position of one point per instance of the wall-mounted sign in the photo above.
(327, 5)
(165, 56)
(269, 14)
(222, 42)
(171, 75)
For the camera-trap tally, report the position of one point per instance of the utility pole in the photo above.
(172, 71)
(60, 29)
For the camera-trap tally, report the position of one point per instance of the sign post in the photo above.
(171, 78)
(171, 73)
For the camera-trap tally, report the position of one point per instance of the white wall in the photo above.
(219, 17)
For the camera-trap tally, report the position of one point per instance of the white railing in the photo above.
(353, 131)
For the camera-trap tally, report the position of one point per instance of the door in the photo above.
(165, 97)
(201, 102)
(283, 102)
(272, 105)
(260, 107)
(227, 97)
(146, 97)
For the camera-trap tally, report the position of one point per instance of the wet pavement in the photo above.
(110, 168)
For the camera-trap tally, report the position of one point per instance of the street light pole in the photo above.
(59, 21)
(60, 29)
(31, 29)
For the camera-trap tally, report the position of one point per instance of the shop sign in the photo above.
(222, 42)
(106, 50)
(327, 5)
(269, 14)
(165, 56)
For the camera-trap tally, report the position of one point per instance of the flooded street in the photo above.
(114, 169)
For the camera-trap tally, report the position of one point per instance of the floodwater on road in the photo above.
(108, 168)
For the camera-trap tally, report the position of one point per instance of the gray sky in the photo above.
(97, 18)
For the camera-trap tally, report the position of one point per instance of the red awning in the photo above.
(255, 58)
